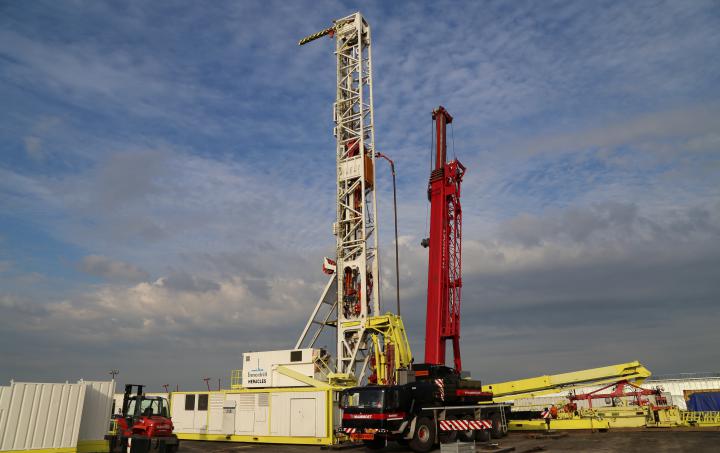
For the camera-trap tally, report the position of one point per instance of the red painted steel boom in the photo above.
(445, 260)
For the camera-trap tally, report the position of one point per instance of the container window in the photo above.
(203, 402)
(189, 402)
(296, 356)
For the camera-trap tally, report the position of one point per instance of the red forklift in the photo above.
(144, 425)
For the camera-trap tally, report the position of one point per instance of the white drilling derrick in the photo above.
(355, 275)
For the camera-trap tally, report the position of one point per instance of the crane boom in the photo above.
(542, 385)
(445, 256)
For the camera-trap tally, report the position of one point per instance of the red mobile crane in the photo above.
(434, 404)
(445, 258)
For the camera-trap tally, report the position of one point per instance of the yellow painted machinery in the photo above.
(629, 410)
(543, 385)
(389, 351)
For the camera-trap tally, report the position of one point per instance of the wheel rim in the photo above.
(424, 433)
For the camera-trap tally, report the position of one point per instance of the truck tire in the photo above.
(498, 430)
(448, 437)
(469, 435)
(482, 435)
(425, 435)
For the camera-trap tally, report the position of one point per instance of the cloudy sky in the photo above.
(167, 180)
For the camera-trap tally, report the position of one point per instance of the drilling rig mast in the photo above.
(355, 271)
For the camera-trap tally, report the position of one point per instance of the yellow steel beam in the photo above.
(321, 440)
(542, 385)
(302, 378)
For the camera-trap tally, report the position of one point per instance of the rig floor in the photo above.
(676, 440)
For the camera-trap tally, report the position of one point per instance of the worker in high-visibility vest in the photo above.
(546, 415)
(553, 412)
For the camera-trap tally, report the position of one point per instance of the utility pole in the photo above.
(397, 255)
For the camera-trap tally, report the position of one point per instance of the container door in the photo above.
(228, 420)
(245, 421)
(302, 417)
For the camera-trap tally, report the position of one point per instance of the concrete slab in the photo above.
(617, 441)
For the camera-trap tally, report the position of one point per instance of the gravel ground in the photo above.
(608, 442)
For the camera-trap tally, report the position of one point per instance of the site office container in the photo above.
(291, 415)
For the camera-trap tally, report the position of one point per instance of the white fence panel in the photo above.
(96, 410)
(35, 415)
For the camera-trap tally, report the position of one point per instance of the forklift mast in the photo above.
(127, 396)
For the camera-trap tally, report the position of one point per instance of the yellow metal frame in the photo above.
(83, 446)
(235, 379)
(557, 424)
(328, 440)
(388, 329)
(542, 385)
(43, 450)
(700, 419)
(92, 446)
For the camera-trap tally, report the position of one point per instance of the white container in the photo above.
(260, 368)
(276, 415)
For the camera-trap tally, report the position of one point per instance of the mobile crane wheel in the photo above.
(425, 435)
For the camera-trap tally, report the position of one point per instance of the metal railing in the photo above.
(235, 379)
(700, 418)
(683, 376)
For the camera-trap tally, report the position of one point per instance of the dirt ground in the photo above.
(608, 442)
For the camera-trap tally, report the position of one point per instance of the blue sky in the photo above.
(167, 178)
